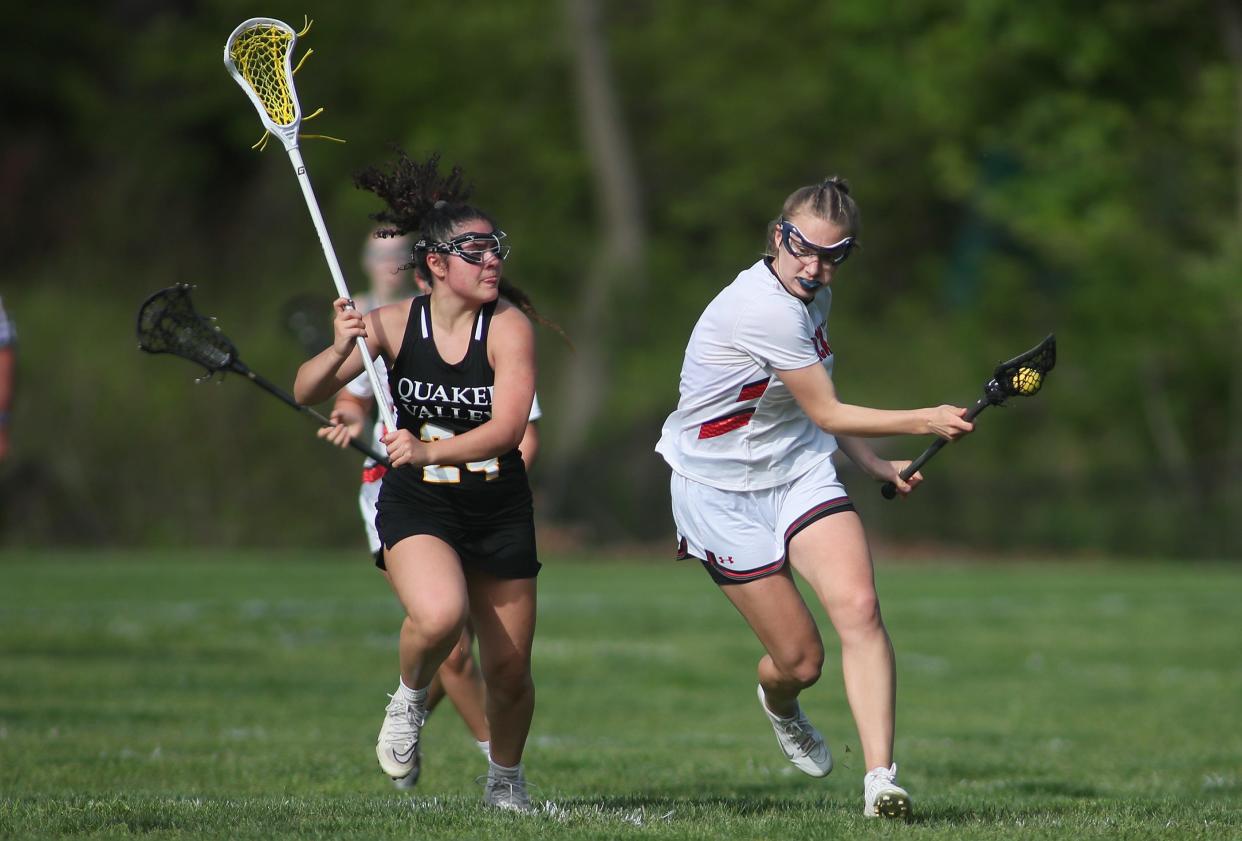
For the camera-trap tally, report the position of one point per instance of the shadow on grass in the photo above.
(1061, 800)
(741, 804)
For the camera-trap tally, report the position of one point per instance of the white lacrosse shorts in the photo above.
(368, 496)
(744, 535)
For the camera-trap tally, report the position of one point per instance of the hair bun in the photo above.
(836, 181)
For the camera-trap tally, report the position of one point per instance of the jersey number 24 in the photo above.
(447, 474)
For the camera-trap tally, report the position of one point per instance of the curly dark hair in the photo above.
(421, 201)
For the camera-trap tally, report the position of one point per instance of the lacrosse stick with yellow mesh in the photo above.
(1022, 376)
(259, 56)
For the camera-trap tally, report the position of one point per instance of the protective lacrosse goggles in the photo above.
(801, 248)
(471, 247)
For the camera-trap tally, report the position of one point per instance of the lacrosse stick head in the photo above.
(1023, 376)
(259, 56)
(168, 323)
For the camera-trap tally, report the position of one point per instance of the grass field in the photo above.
(238, 695)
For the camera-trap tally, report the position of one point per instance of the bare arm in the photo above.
(813, 389)
(861, 454)
(7, 360)
(530, 444)
(325, 374)
(350, 414)
(7, 367)
(882, 470)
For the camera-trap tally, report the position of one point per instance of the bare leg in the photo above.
(407, 652)
(435, 690)
(503, 612)
(832, 556)
(458, 678)
(461, 680)
(426, 575)
(779, 617)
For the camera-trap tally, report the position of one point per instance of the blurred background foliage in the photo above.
(1022, 169)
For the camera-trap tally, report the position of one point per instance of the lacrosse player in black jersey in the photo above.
(458, 678)
(454, 513)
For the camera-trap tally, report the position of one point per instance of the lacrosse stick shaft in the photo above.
(266, 385)
(377, 386)
(889, 489)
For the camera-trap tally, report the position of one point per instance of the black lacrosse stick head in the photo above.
(1023, 376)
(168, 323)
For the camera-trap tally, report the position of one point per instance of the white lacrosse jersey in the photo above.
(8, 333)
(736, 426)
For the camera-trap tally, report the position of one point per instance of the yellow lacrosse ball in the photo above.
(1026, 381)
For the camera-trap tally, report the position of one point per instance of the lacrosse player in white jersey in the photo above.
(385, 262)
(8, 368)
(754, 489)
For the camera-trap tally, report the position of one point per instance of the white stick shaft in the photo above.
(378, 387)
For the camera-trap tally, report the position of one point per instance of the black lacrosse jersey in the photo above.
(436, 399)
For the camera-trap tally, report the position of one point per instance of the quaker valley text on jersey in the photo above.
(426, 400)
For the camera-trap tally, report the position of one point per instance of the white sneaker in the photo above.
(801, 743)
(411, 779)
(397, 745)
(507, 793)
(882, 796)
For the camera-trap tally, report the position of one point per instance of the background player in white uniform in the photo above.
(754, 489)
(8, 373)
(458, 676)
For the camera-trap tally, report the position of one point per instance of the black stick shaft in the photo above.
(889, 489)
(266, 385)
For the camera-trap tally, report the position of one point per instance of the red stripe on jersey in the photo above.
(728, 423)
(753, 391)
(373, 474)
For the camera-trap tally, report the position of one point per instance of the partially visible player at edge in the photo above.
(454, 512)
(754, 488)
(8, 376)
(383, 262)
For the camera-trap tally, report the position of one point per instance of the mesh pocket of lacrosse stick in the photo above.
(1023, 376)
(259, 55)
(168, 323)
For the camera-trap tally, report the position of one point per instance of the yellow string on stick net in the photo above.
(259, 54)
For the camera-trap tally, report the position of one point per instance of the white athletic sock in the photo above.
(486, 747)
(417, 697)
(500, 772)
